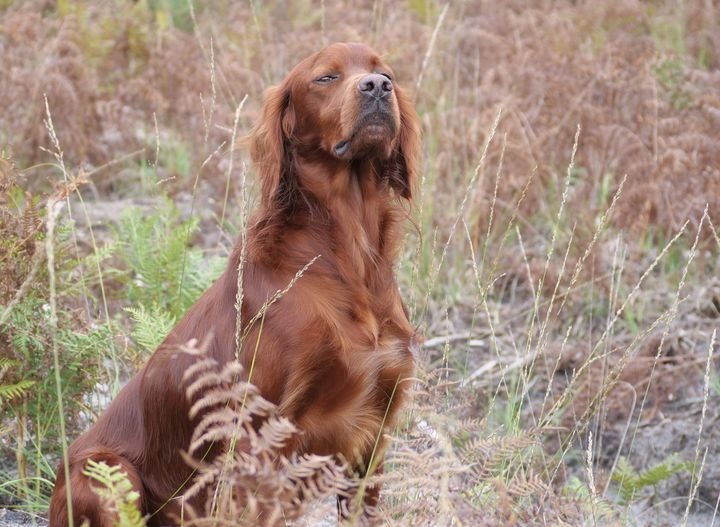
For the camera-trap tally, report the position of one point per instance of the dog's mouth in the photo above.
(342, 147)
(372, 132)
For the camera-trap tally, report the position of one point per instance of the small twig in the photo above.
(434, 342)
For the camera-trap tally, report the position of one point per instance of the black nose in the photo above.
(375, 85)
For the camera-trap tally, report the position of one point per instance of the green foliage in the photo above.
(147, 264)
(165, 275)
(715, 381)
(670, 74)
(669, 35)
(12, 390)
(176, 12)
(631, 482)
(116, 492)
(426, 10)
(576, 489)
(32, 387)
(80, 353)
(93, 267)
(27, 385)
(151, 326)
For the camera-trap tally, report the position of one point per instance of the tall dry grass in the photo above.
(566, 283)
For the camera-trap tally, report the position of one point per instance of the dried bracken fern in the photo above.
(256, 478)
(446, 469)
(653, 106)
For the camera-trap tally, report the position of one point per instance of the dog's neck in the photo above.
(355, 204)
(349, 206)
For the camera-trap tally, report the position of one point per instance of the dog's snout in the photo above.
(375, 85)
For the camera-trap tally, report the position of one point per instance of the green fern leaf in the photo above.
(626, 476)
(6, 362)
(163, 270)
(151, 327)
(117, 492)
(15, 390)
(663, 470)
(631, 482)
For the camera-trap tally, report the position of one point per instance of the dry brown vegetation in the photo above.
(565, 272)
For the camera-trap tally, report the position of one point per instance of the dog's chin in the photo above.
(373, 138)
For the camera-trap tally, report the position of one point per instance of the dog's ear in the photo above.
(404, 161)
(269, 144)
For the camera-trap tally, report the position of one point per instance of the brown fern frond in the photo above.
(526, 484)
(273, 435)
(257, 479)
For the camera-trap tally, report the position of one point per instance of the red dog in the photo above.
(337, 150)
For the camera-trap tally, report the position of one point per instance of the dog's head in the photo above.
(337, 106)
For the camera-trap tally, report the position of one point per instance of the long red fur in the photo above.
(334, 353)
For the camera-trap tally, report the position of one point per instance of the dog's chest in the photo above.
(355, 400)
(350, 377)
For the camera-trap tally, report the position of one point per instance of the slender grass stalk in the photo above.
(192, 212)
(375, 459)
(666, 330)
(697, 472)
(461, 210)
(73, 184)
(54, 206)
(233, 138)
(431, 46)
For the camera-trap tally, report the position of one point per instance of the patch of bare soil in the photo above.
(676, 431)
(13, 518)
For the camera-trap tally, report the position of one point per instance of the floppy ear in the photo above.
(405, 159)
(269, 144)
